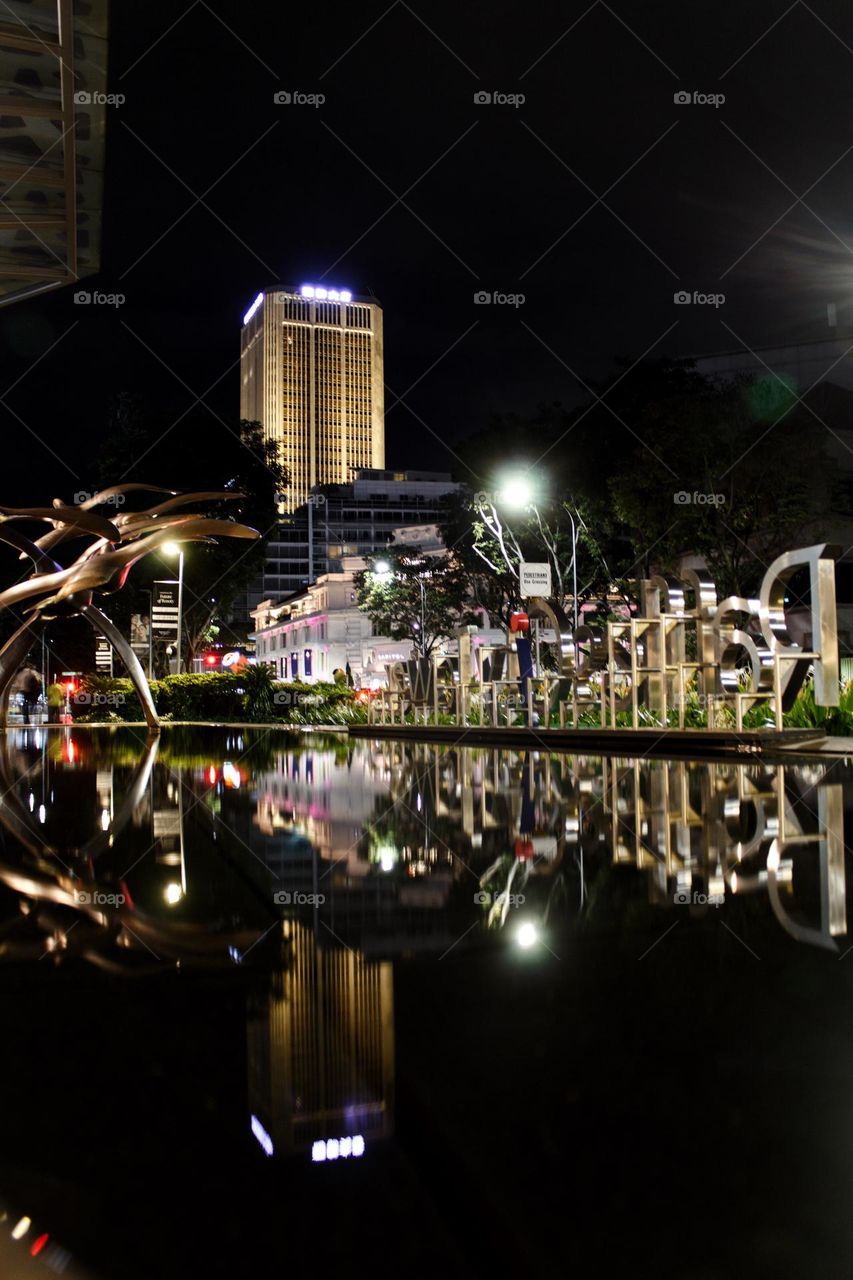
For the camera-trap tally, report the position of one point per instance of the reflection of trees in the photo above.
(65, 904)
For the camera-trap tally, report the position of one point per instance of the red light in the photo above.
(71, 686)
(211, 775)
(38, 1245)
(211, 659)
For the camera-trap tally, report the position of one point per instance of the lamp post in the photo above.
(517, 492)
(383, 572)
(171, 549)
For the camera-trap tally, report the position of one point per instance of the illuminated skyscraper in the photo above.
(311, 371)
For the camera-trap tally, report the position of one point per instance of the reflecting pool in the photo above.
(276, 1000)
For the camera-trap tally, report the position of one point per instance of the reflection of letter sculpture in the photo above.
(115, 546)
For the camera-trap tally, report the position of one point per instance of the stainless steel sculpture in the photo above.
(115, 545)
(682, 646)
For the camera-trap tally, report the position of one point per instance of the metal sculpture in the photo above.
(115, 545)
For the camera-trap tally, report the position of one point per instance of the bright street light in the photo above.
(516, 493)
(381, 568)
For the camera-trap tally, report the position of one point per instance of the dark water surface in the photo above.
(275, 1003)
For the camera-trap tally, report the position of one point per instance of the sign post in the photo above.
(165, 611)
(534, 579)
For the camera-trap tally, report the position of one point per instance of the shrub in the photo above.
(249, 695)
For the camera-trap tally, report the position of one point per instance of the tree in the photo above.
(723, 475)
(401, 589)
(232, 459)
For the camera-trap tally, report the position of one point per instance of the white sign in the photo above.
(535, 579)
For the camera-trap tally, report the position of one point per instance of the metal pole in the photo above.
(180, 608)
(423, 617)
(574, 569)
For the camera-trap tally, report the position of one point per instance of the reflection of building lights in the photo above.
(335, 1148)
(105, 819)
(173, 893)
(42, 813)
(21, 1228)
(32, 802)
(527, 936)
(211, 775)
(231, 775)
(262, 1136)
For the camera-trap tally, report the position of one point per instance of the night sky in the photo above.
(597, 199)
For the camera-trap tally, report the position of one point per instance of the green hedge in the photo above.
(249, 695)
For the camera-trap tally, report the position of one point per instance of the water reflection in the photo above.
(300, 872)
(195, 849)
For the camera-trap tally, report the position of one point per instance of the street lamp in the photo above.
(517, 493)
(172, 549)
(383, 572)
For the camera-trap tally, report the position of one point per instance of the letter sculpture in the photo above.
(53, 591)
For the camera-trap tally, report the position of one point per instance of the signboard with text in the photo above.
(164, 620)
(535, 579)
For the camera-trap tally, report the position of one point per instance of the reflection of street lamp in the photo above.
(527, 935)
(172, 549)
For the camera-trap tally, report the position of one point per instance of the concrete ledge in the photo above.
(698, 744)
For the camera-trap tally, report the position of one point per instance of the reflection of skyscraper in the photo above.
(321, 1050)
(311, 370)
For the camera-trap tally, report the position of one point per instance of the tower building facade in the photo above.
(311, 371)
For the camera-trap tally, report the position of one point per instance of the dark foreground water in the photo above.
(301, 1006)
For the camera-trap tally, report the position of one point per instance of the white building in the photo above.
(313, 634)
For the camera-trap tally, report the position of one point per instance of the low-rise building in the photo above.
(315, 633)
